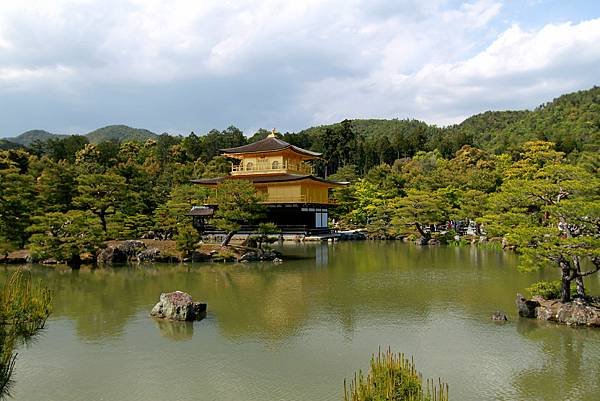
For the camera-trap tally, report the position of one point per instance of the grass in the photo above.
(24, 308)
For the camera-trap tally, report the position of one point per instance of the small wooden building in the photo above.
(297, 201)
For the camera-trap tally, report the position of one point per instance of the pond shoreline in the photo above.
(165, 251)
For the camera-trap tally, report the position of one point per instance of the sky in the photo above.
(71, 66)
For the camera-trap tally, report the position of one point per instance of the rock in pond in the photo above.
(178, 305)
(499, 316)
(526, 307)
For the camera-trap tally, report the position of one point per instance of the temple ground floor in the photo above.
(308, 219)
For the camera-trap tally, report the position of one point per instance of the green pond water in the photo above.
(294, 331)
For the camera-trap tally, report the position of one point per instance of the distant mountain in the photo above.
(27, 138)
(120, 133)
(110, 132)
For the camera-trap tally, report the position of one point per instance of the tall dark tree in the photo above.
(238, 203)
(102, 194)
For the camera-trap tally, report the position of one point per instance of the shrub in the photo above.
(549, 289)
(187, 238)
(392, 377)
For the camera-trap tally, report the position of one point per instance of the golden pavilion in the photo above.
(296, 200)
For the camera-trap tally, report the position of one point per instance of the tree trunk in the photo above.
(102, 216)
(75, 261)
(579, 279)
(228, 238)
(565, 294)
(423, 233)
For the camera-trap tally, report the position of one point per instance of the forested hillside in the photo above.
(5, 145)
(571, 121)
(119, 133)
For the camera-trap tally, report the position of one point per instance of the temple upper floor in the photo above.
(270, 155)
(272, 164)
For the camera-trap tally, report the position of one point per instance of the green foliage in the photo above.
(238, 203)
(393, 377)
(64, 148)
(56, 186)
(134, 226)
(265, 232)
(419, 209)
(347, 173)
(64, 236)
(217, 167)
(24, 308)
(173, 214)
(17, 204)
(548, 289)
(187, 238)
(8, 145)
(549, 211)
(102, 194)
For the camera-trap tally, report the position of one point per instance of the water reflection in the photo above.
(176, 331)
(375, 280)
(569, 363)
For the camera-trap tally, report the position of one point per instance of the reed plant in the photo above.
(24, 308)
(393, 377)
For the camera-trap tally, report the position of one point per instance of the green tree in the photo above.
(57, 185)
(264, 234)
(550, 211)
(17, 204)
(173, 214)
(187, 238)
(419, 210)
(217, 167)
(102, 194)
(238, 203)
(64, 148)
(65, 236)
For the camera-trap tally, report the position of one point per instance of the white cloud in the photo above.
(280, 62)
(519, 68)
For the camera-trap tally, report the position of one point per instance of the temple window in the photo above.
(249, 166)
(275, 165)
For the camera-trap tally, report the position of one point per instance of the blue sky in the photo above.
(70, 66)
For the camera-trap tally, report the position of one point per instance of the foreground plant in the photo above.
(392, 377)
(24, 308)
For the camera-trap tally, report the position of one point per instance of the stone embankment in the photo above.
(179, 306)
(19, 257)
(578, 312)
(139, 251)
